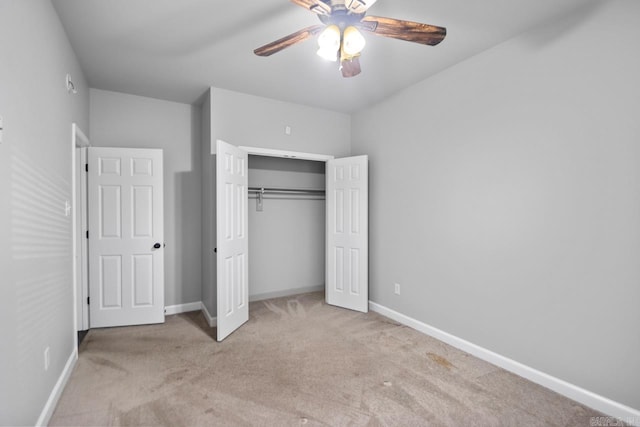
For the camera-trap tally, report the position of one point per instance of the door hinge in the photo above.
(87, 234)
(88, 300)
(86, 167)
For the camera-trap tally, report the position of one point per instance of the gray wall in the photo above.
(120, 120)
(286, 238)
(36, 292)
(505, 199)
(242, 119)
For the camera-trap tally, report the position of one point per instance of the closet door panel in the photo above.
(347, 233)
(232, 244)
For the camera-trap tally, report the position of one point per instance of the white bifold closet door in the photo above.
(347, 235)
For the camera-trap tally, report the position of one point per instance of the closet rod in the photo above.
(264, 190)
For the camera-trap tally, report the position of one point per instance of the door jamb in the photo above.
(285, 154)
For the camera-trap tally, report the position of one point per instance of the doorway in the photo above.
(117, 235)
(286, 225)
(346, 277)
(79, 145)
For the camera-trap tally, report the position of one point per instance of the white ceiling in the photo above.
(176, 49)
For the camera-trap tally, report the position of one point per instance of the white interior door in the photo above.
(232, 238)
(347, 201)
(126, 256)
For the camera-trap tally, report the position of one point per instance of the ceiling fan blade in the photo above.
(290, 40)
(358, 6)
(350, 67)
(403, 30)
(315, 6)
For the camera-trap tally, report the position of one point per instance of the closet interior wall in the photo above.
(287, 237)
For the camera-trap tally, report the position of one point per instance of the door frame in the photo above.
(282, 154)
(80, 259)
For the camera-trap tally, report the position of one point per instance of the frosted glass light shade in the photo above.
(329, 43)
(353, 41)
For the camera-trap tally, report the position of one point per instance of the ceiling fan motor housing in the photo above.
(340, 15)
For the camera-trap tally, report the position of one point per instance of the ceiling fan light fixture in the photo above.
(353, 41)
(339, 35)
(328, 54)
(329, 43)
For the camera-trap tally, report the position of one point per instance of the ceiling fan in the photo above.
(339, 35)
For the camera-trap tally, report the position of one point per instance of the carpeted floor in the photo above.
(297, 361)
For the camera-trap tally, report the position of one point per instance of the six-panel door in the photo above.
(232, 238)
(126, 237)
(347, 199)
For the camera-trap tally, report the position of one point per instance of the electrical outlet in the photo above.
(47, 359)
(396, 288)
(287, 130)
(1, 128)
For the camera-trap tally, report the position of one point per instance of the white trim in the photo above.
(212, 321)
(600, 403)
(54, 396)
(80, 139)
(81, 228)
(268, 152)
(182, 308)
(74, 236)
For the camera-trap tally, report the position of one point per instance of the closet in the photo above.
(286, 225)
(240, 194)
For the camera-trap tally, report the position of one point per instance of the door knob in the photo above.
(157, 246)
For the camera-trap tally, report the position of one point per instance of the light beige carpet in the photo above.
(297, 361)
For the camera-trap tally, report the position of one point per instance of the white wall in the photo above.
(120, 120)
(505, 199)
(242, 119)
(36, 293)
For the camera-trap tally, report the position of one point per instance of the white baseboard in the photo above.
(191, 306)
(50, 406)
(182, 308)
(607, 406)
(285, 293)
(210, 319)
